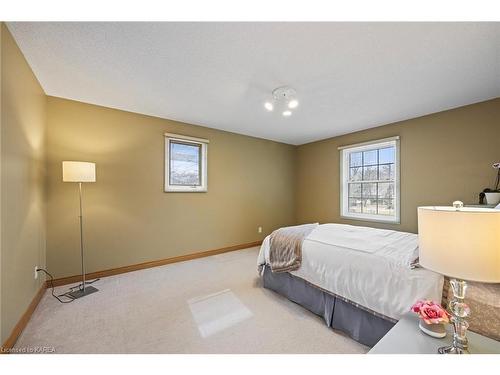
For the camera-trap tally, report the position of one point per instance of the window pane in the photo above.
(355, 174)
(386, 172)
(369, 206)
(185, 164)
(355, 159)
(370, 173)
(386, 207)
(387, 155)
(369, 190)
(386, 190)
(354, 190)
(370, 157)
(355, 205)
(369, 180)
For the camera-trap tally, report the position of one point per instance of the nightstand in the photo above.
(406, 338)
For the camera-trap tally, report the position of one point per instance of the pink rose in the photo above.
(430, 312)
(433, 314)
(416, 307)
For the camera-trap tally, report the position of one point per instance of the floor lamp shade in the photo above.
(460, 243)
(78, 171)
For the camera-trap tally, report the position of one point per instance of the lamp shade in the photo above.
(460, 243)
(78, 171)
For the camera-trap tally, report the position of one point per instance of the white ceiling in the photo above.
(348, 76)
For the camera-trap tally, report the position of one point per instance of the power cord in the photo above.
(51, 281)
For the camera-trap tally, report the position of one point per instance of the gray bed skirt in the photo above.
(361, 325)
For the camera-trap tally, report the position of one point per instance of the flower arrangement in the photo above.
(431, 312)
(492, 195)
(497, 166)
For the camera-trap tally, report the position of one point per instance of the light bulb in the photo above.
(293, 103)
(287, 113)
(269, 106)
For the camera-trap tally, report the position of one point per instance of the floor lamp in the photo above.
(80, 172)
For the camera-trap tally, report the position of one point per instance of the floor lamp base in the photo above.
(82, 292)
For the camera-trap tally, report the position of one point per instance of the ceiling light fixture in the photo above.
(293, 103)
(284, 99)
(269, 106)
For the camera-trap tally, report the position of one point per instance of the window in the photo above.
(185, 163)
(370, 181)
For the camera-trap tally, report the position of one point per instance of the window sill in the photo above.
(186, 190)
(369, 219)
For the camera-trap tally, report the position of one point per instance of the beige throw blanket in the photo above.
(285, 250)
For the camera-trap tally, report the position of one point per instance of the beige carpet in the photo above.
(210, 305)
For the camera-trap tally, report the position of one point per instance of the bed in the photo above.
(360, 280)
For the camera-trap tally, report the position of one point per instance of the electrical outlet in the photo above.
(259, 230)
(36, 273)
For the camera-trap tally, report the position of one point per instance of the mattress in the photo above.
(378, 278)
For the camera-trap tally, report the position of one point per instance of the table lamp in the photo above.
(464, 244)
(79, 171)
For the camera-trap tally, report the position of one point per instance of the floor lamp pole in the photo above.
(81, 236)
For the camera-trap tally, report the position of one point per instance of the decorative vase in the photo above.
(492, 197)
(435, 330)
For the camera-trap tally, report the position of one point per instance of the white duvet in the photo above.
(365, 265)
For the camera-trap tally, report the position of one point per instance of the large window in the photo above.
(185, 164)
(370, 181)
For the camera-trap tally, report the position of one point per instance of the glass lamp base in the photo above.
(459, 312)
(452, 350)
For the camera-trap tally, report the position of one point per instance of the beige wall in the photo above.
(252, 182)
(445, 156)
(1, 49)
(23, 116)
(128, 217)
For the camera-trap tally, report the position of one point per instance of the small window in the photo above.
(370, 181)
(185, 164)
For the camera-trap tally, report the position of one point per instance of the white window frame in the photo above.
(345, 151)
(203, 187)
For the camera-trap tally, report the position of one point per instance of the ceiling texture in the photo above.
(348, 76)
